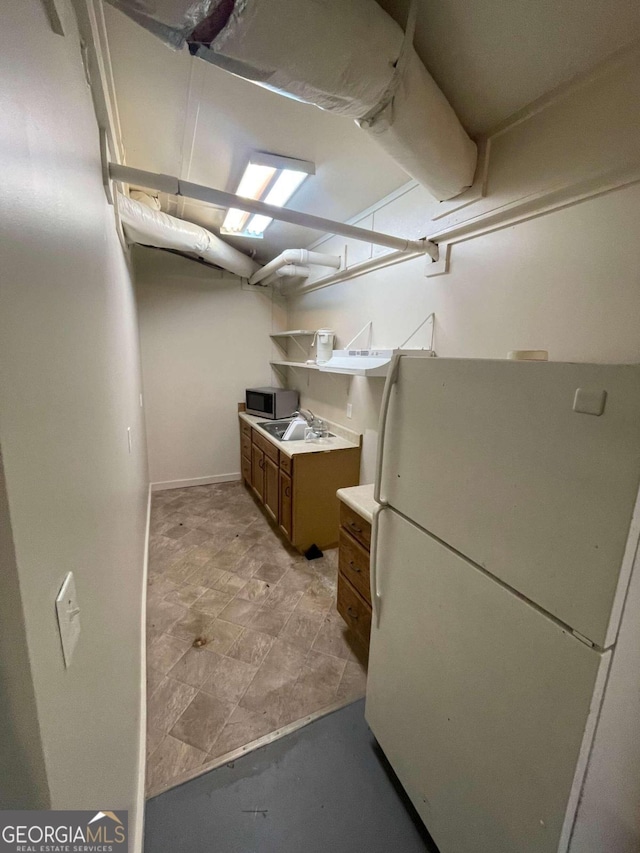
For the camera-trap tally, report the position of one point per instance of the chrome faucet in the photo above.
(307, 414)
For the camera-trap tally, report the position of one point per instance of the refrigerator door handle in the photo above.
(382, 429)
(376, 598)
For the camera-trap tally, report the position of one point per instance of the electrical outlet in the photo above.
(349, 410)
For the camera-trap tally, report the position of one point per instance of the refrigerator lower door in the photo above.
(484, 706)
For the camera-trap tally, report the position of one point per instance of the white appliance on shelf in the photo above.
(503, 545)
(324, 345)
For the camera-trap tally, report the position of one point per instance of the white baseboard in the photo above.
(137, 829)
(196, 481)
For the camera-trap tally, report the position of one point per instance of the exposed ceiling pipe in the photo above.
(176, 186)
(288, 271)
(296, 256)
(349, 58)
(150, 227)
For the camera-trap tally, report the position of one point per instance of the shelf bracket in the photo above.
(431, 317)
(369, 326)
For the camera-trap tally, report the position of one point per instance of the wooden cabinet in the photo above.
(298, 493)
(285, 503)
(272, 488)
(353, 563)
(354, 590)
(257, 471)
(354, 610)
(246, 469)
(356, 525)
(245, 452)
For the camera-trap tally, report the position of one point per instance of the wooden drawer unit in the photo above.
(356, 525)
(354, 610)
(299, 497)
(245, 444)
(354, 590)
(353, 563)
(286, 463)
(266, 446)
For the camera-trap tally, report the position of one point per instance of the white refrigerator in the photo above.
(503, 545)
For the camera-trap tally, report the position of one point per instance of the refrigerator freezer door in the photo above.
(480, 702)
(493, 458)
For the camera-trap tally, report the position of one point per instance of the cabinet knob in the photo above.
(287, 492)
(352, 613)
(353, 566)
(355, 527)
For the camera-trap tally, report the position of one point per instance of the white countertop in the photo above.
(360, 499)
(343, 438)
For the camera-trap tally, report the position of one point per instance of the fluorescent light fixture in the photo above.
(269, 178)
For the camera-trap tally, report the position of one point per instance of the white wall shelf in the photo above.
(282, 339)
(353, 366)
(295, 364)
(295, 333)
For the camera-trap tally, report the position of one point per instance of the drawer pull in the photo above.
(355, 527)
(287, 492)
(352, 613)
(353, 566)
(261, 463)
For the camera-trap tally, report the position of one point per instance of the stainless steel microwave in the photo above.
(271, 402)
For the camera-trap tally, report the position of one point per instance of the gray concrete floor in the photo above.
(326, 788)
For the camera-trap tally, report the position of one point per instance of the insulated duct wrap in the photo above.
(340, 56)
(150, 227)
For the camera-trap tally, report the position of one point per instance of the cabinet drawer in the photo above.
(267, 448)
(356, 525)
(286, 463)
(353, 562)
(355, 612)
(245, 428)
(245, 443)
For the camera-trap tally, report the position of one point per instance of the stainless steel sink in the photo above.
(277, 429)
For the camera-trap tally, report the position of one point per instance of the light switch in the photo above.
(68, 617)
(589, 402)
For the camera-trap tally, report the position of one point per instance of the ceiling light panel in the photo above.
(269, 178)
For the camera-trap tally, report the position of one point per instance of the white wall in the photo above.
(548, 259)
(23, 779)
(69, 389)
(204, 340)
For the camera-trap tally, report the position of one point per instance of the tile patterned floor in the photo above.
(275, 649)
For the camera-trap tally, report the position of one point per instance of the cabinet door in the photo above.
(246, 470)
(285, 504)
(271, 491)
(257, 471)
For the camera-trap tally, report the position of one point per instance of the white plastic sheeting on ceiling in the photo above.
(351, 59)
(143, 223)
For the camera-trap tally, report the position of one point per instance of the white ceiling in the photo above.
(184, 117)
(493, 57)
(163, 96)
